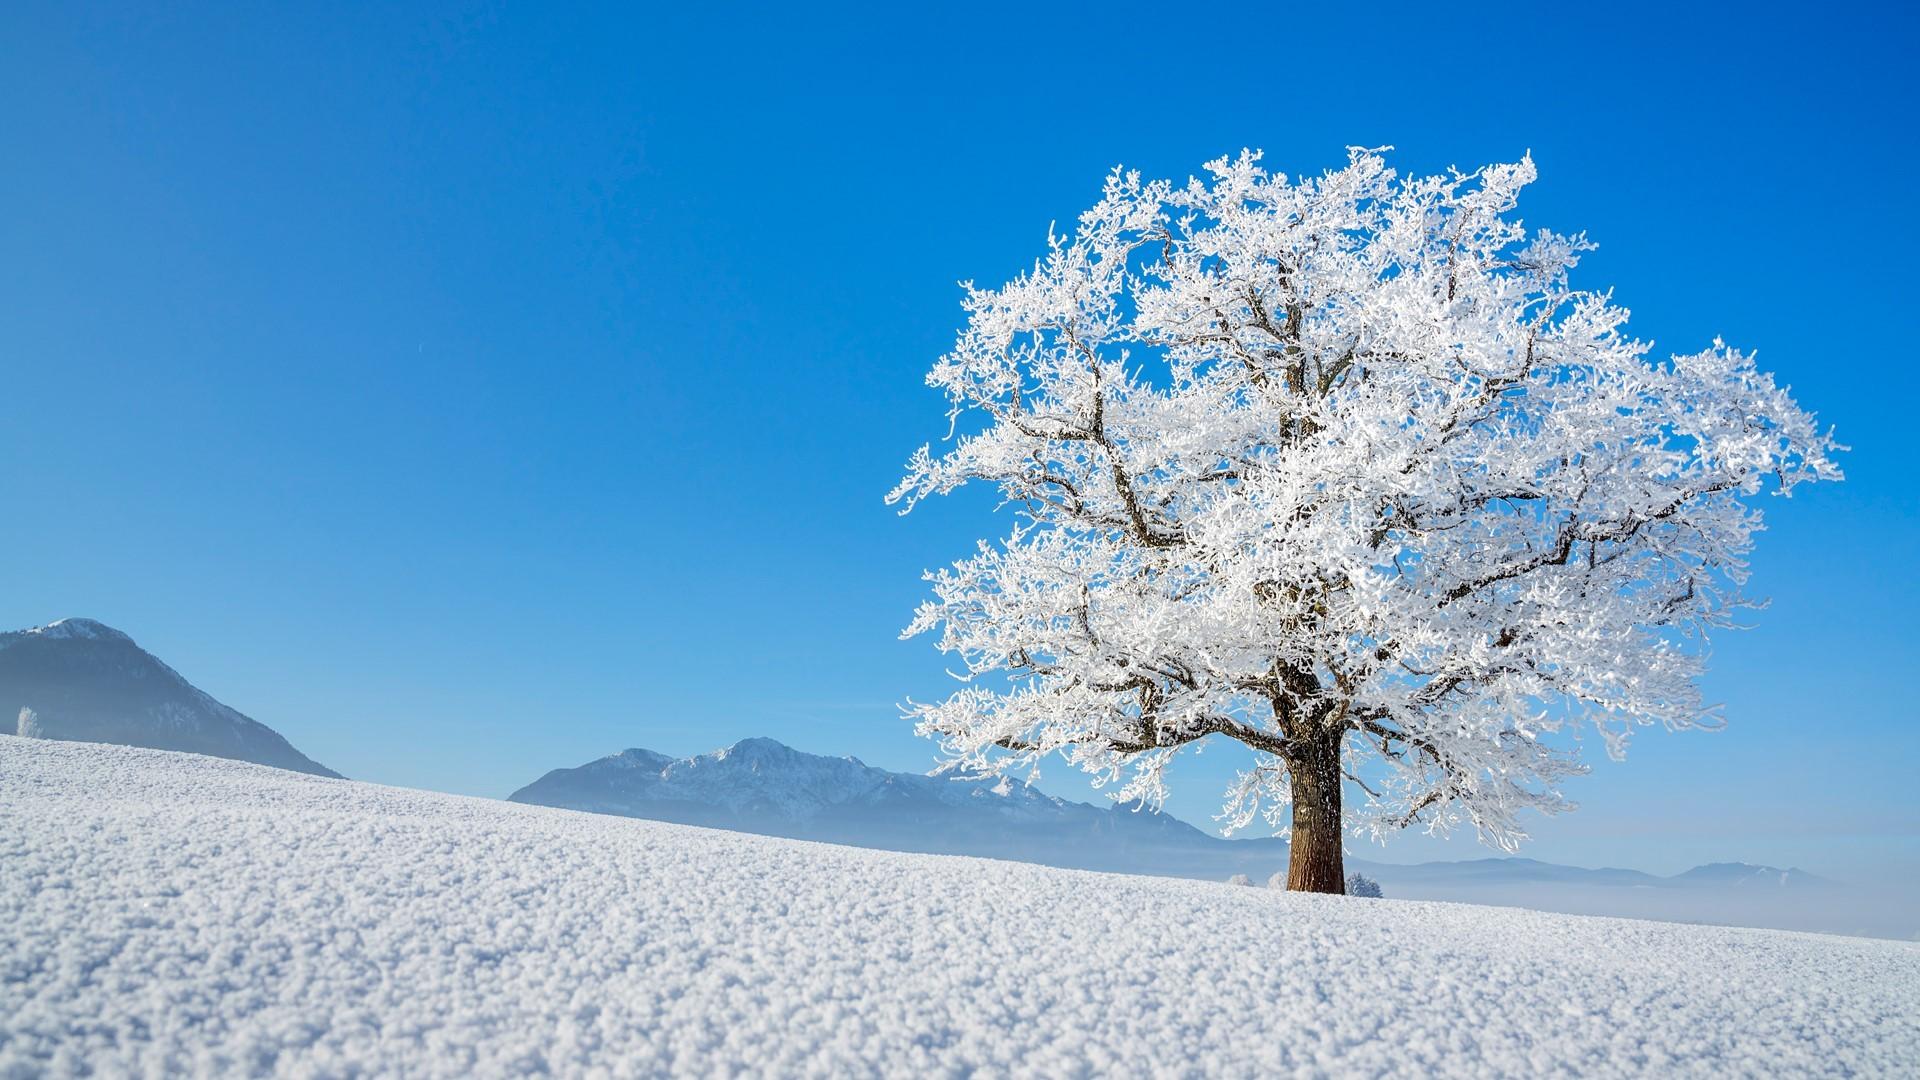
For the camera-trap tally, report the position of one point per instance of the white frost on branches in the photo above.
(1344, 459)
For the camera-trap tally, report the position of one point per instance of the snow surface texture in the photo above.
(165, 914)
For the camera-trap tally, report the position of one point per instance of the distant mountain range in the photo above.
(1508, 871)
(84, 681)
(762, 786)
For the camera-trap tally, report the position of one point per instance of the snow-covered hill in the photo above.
(83, 680)
(168, 914)
(759, 785)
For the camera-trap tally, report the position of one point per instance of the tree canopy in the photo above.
(1344, 467)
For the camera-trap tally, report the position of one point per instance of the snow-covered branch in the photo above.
(1338, 458)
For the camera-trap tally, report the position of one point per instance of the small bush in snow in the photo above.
(1362, 885)
(1278, 880)
(1239, 879)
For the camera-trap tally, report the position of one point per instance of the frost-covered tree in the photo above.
(1362, 885)
(1344, 469)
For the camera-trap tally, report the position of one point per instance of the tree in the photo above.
(1343, 469)
(1359, 884)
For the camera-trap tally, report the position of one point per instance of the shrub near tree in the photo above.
(1347, 470)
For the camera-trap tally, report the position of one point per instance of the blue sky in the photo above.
(476, 390)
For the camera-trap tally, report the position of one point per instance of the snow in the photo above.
(67, 629)
(1349, 470)
(165, 913)
(766, 780)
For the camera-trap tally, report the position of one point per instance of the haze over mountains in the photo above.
(80, 680)
(83, 681)
(763, 786)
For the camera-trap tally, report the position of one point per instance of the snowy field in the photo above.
(166, 914)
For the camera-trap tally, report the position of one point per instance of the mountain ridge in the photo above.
(730, 788)
(763, 786)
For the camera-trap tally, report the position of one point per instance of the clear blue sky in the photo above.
(471, 391)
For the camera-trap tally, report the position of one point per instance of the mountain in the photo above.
(83, 681)
(1749, 876)
(762, 786)
(1467, 872)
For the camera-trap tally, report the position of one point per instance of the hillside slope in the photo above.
(82, 680)
(170, 914)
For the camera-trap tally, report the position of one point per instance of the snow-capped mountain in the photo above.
(763, 786)
(84, 681)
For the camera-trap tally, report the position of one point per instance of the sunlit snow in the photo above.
(166, 913)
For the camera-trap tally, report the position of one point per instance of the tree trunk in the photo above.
(1316, 862)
